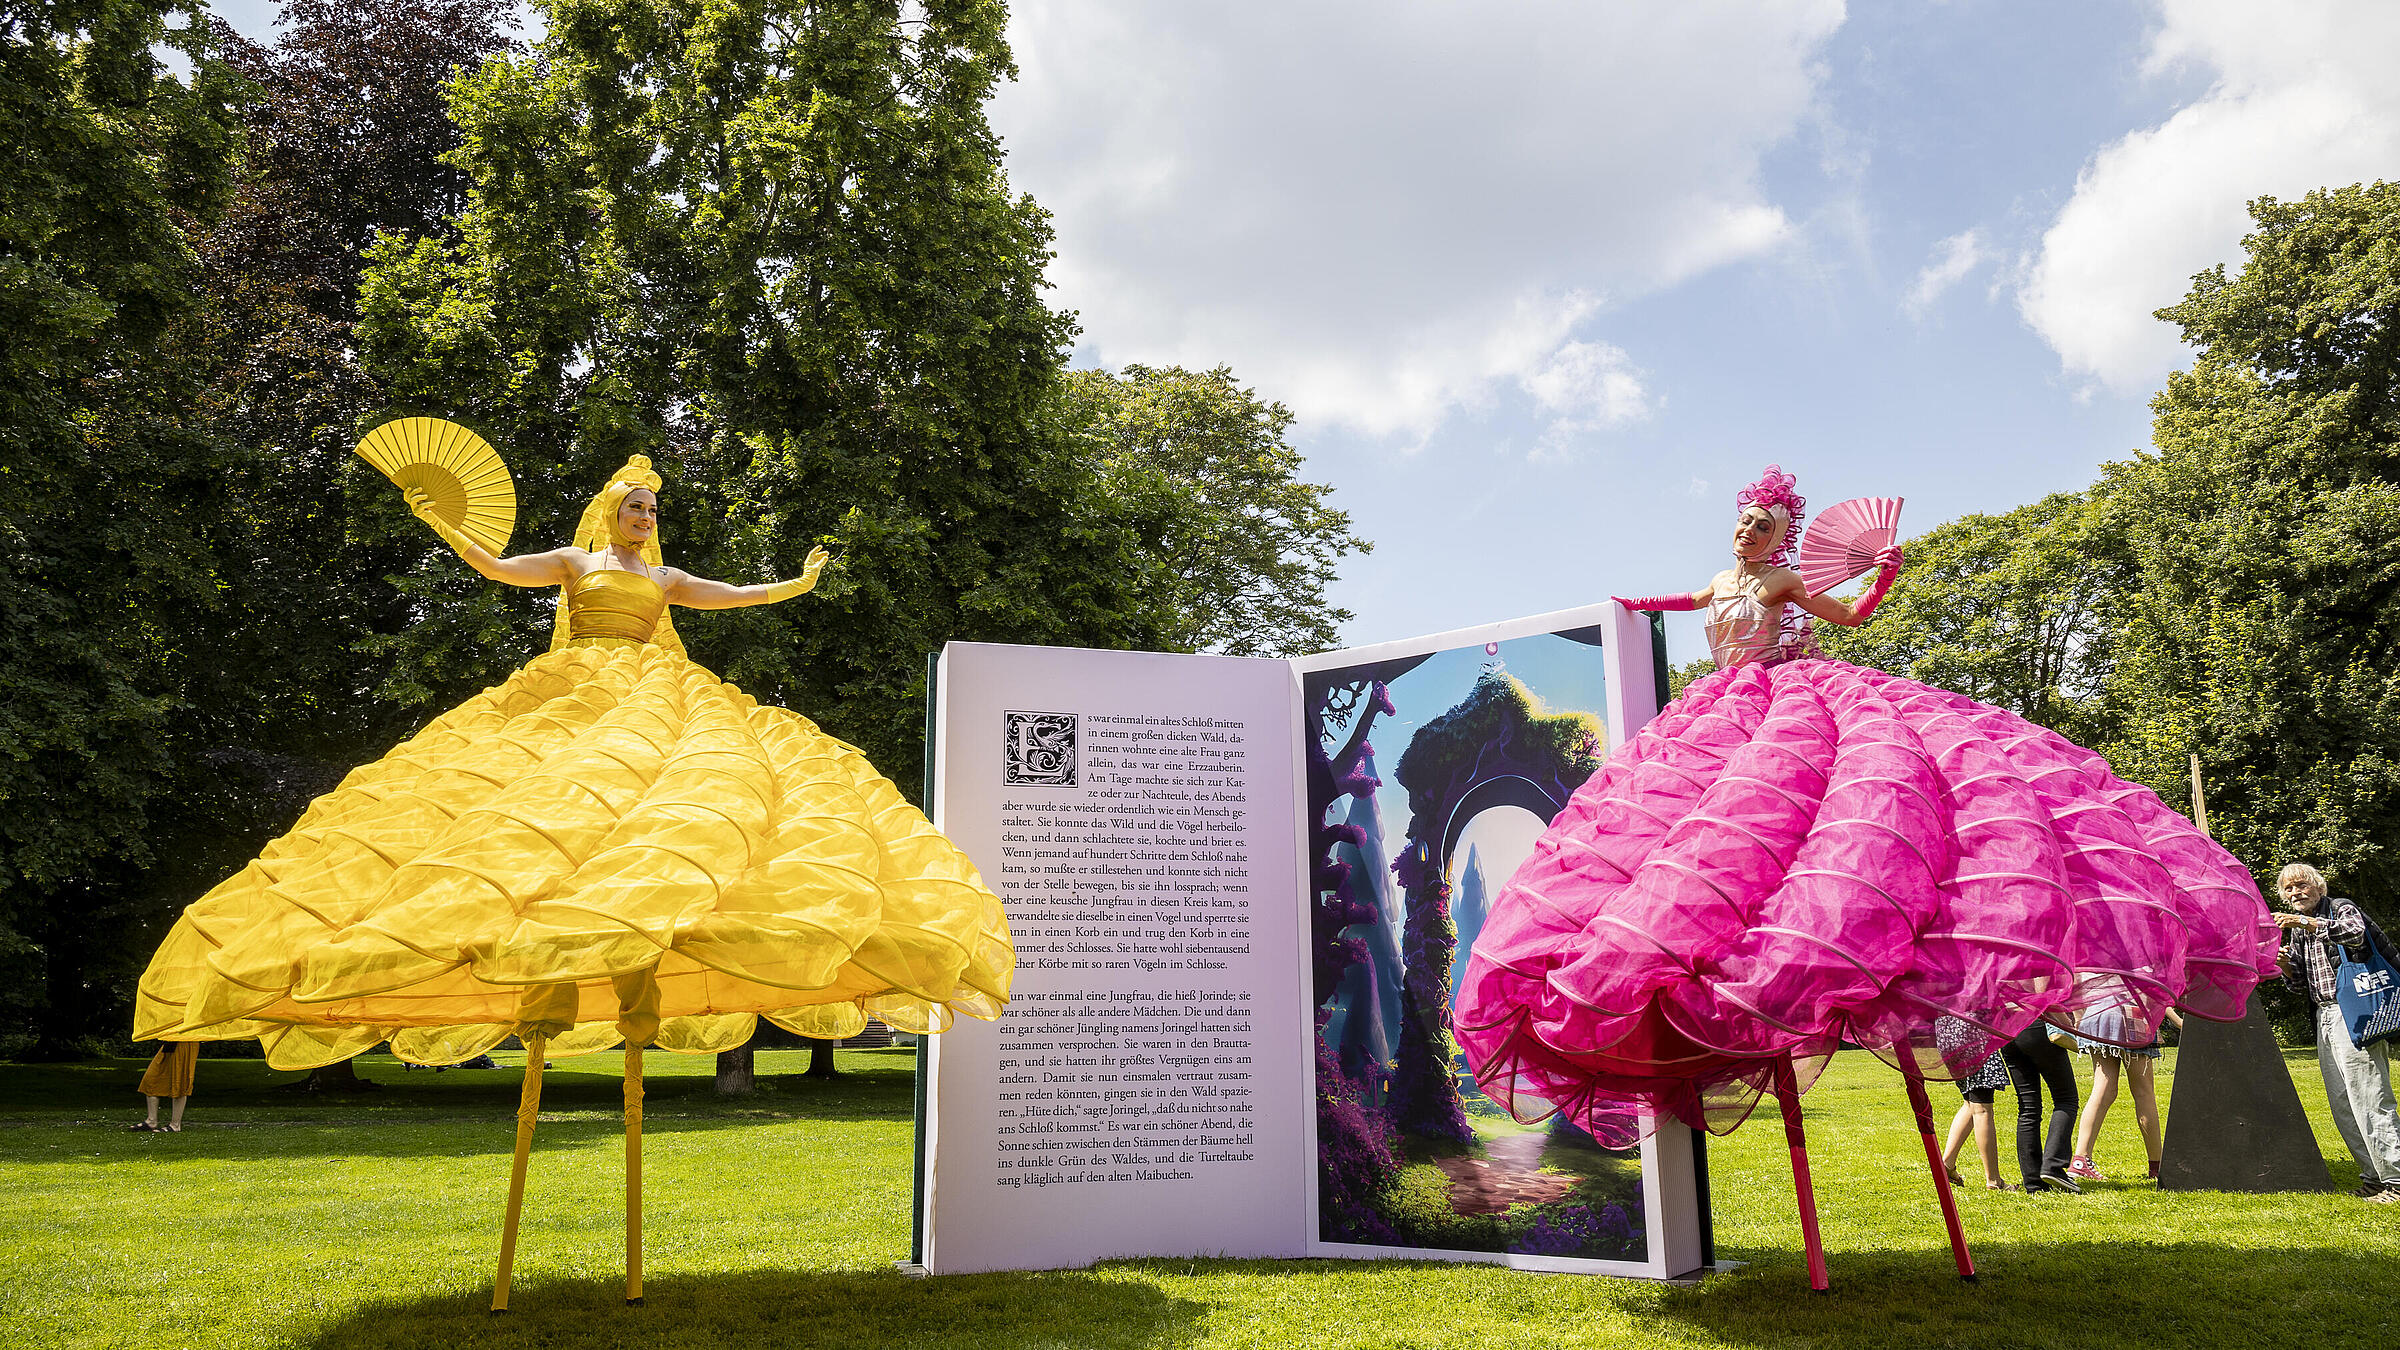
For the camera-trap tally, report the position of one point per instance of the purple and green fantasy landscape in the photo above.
(1408, 853)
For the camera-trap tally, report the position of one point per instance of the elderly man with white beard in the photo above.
(2358, 1082)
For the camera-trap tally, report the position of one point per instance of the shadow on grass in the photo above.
(430, 1136)
(242, 1109)
(230, 1088)
(791, 1308)
(2111, 1294)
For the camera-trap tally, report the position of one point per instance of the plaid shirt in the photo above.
(2312, 953)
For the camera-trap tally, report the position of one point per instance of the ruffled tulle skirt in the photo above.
(612, 842)
(1793, 856)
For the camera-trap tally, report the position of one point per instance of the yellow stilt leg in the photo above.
(633, 1174)
(529, 1106)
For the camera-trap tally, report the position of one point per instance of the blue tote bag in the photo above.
(2369, 991)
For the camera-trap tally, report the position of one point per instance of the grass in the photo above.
(279, 1219)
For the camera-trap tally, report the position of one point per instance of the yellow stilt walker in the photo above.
(637, 1022)
(529, 1109)
(610, 846)
(633, 1174)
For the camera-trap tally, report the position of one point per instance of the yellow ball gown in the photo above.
(611, 844)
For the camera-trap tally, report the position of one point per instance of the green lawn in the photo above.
(278, 1219)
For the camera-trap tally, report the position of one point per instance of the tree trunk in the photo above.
(737, 1074)
(820, 1059)
(342, 1077)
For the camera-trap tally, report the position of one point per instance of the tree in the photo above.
(2265, 525)
(344, 133)
(820, 1059)
(110, 489)
(770, 245)
(1681, 677)
(1238, 550)
(219, 568)
(737, 1072)
(2018, 610)
(344, 137)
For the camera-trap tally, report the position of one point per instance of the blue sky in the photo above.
(1563, 676)
(1547, 282)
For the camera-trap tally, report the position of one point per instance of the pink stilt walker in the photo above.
(1800, 852)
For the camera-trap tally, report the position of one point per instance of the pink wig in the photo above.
(1779, 493)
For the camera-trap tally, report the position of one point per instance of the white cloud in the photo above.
(1590, 380)
(2301, 97)
(1583, 387)
(1384, 215)
(1953, 258)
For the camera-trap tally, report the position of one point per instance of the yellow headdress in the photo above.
(598, 530)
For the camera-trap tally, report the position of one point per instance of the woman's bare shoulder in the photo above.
(578, 562)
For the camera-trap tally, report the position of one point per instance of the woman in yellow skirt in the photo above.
(170, 1076)
(611, 845)
(611, 835)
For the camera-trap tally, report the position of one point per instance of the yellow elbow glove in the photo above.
(422, 506)
(780, 591)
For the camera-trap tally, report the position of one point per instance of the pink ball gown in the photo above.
(1800, 852)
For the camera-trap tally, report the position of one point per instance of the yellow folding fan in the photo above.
(461, 472)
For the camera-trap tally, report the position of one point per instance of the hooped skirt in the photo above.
(613, 841)
(1798, 855)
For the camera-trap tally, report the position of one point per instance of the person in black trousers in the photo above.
(2035, 1060)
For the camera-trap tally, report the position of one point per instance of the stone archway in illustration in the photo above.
(1504, 790)
(1496, 747)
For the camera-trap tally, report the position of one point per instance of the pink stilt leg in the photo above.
(1787, 1095)
(1933, 1160)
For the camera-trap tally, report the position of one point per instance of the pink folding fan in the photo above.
(1843, 540)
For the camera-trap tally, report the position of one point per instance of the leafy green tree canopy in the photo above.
(182, 400)
(344, 132)
(108, 488)
(1681, 677)
(2016, 610)
(2266, 529)
(769, 244)
(109, 154)
(1238, 549)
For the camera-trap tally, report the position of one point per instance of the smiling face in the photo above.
(2300, 891)
(637, 516)
(1756, 533)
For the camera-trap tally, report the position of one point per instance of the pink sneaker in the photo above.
(2082, 1170)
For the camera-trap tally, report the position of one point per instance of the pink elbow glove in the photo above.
(1666, 602)
(1889, 559)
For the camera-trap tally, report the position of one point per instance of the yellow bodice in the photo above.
(614, 608)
